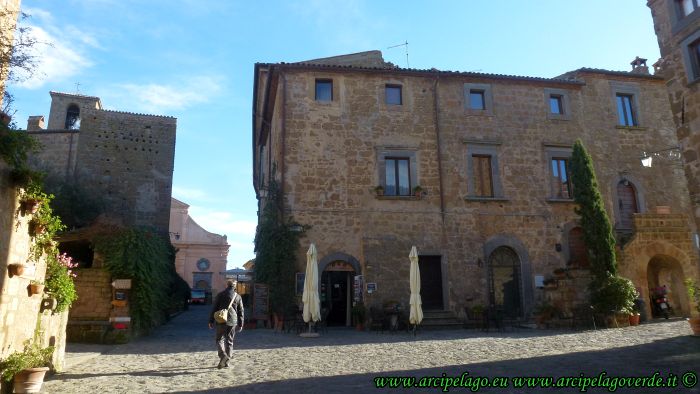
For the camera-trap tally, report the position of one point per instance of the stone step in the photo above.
(439, 319)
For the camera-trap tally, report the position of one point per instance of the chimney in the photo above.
(35, 123)
(639, 66)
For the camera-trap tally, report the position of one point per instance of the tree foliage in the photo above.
(148, 259)
(597, 231)
(276, 247)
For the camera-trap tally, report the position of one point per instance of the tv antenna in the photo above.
(405, 44)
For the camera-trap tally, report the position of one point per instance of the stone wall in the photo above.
(328, 157)
(683, 93)
(90, 313)
(126, 159)
(9, 10)
(21, 316)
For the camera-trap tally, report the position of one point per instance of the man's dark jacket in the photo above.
(235, 313)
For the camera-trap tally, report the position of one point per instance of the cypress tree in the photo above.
(597, 231)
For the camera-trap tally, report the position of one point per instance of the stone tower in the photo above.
(9, 9)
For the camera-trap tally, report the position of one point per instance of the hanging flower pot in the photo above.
(30, 205)
(36, 288)
(15, 269)
(36, 228)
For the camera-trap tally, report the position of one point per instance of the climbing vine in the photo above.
(148, 259)
(276, 247)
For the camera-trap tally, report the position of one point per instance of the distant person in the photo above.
(227, 298)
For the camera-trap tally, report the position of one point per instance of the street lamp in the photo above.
(672, 153)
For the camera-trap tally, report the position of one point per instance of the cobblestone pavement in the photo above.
(180, 357)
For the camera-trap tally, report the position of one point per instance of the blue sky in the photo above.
(193, 59)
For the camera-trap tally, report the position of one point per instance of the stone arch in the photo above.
(339, 256)
(514, 243)
(663, 270)
(639, 255)
(640, 193)
(72, 117)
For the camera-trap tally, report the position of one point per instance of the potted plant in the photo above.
(561, 273)
(418, 191)
(379, 190)
(27, 368)
(543, 313)
(35, 287)
(550, 283)
(36, 227)
(614, 298)
(634, 315)
(694, 295)
(359, 313)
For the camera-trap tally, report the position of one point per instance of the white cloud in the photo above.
(223, 222)
(159, 98)
(59, 51)
(185, 194)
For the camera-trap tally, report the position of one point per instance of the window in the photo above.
(73, 117)
(690, 50)
(398, 179)
(625, 111)
(393, 95)
(324, 90)
(483, 176)
(686, 7)
(483, 184)
(555, 104)
(561, 181)
(476, 100)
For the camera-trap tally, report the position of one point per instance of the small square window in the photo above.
(556, 104)
(686, 7)
(625, 110)
(476, 99)
(393, 95)
(324, 90)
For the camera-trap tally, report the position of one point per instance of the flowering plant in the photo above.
(59, 280)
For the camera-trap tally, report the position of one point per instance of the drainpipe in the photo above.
(283, 149)
(436, 114)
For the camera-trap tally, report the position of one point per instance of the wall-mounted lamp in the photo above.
(479, 262)
(557, 247)
(296, 228)
(175, 235)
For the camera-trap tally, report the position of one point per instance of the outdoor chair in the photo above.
(377, 319)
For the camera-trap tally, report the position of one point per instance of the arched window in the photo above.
(73, 117)
(578, 255)
(626, 203)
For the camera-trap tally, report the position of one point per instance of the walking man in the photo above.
(230, 300)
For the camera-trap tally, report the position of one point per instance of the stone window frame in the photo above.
(484, 148)
(627, 89)
(691, 61)
(552, 151)
(564, 101)
(411, 153)
(488, 98)
(388, 86)
(678, 20)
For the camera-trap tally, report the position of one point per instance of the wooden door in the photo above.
(627, 203)
(430, 282)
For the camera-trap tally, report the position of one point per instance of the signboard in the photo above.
(371, 287)
(357, 288)
(122, 284)
(260, 302)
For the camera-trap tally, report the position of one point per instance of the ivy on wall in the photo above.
(276, 247)
(148, 259)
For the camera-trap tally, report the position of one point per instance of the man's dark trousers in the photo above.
(224, 341)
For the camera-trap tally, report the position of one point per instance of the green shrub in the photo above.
(33, 356)
(614, 294)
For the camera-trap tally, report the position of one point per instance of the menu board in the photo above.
(260, 302)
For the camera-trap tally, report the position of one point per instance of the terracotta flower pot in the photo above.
(695, 325)
(15, 269)
(36, 288)
(29, 380)
(36, 228)
(31, 206)
(634, 319)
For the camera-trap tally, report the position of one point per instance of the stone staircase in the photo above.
(440, 320)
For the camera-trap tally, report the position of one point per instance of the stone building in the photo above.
(677, 25)
(125, 159)
(494, 214)
(201, 255)
(9, 10)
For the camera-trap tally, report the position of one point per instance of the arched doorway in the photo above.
(666, 271)
(627, 203)
(336, 292)
(504, 273)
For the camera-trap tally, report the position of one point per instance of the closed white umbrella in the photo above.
(312, 305)
(416, 315)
